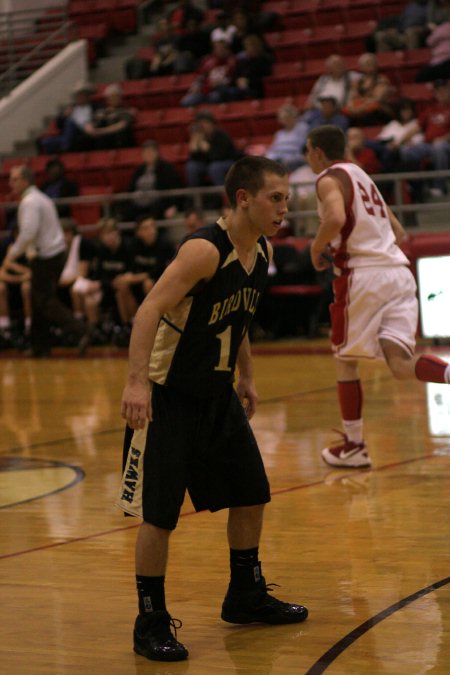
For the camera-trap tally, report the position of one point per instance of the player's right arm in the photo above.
(333, 219)
(196, 260)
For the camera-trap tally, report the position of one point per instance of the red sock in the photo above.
(350, 396)
(431, 369)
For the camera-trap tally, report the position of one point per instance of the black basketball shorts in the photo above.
(205, 446)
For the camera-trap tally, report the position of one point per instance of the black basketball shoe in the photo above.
(258, 606)
(154, 640)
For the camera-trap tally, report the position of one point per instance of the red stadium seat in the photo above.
(90, 213)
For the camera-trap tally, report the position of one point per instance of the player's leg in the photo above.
(240, 483)
(25, 290)
(351, 451)
(247, 599)
(404, 366)
(153, 487)
(5, 321)
(152, 635)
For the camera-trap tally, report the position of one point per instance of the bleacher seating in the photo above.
(306, 33)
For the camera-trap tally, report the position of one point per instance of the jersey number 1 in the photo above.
(225, 344)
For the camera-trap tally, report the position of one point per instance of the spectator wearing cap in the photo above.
(214, 77)
(224, 30)
(71, 122)
(112, 125)
(434, 123)
(288, 142)
(329, 113)
(153, 174)
(336, 82)
(211, 151)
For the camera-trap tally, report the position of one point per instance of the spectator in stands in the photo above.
(164, 58)
(150, 254)
(359, 153)
(434, 123)
(57, 186)
(404, 31)
(153, 174)
(211, 151)
(166, 50)
(335, 82)
(288, 142)
(103, 289)
(214, 76)
(253, 65)
(328, 113)
(80, 255)
(438, 11)
(71, 122)
(182, 13)
(194, 219)
(399, 132)
(224, 30)
(439, 66)
(112, 125)
(244, 26)
(369, 101)
(263, 19)
(15, 292)
(193, 44)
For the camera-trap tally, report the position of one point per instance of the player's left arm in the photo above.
(333, 219)
(399, 231)
(245, 387)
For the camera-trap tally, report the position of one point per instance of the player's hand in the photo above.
(321, 258)
(136, 406)
(247, 395)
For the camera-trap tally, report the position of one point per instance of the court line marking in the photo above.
(280, 491)
(51, 463)
(339, 647)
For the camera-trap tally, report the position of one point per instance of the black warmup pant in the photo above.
(46, 308)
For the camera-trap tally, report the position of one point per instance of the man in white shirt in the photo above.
(40, 230)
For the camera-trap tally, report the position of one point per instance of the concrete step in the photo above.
(109, 69)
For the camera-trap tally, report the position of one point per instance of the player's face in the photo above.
(266, 210)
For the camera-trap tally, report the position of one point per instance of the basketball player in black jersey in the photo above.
(187, 426)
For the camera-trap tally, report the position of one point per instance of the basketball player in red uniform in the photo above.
(375, 308)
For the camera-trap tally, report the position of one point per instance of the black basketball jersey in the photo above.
(197, 342)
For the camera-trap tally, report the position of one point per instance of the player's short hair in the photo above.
(248, 173)
(330, 139)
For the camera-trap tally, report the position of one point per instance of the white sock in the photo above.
(5, 322)
(354, 430)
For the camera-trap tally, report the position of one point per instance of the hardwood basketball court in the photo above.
(368, 552)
